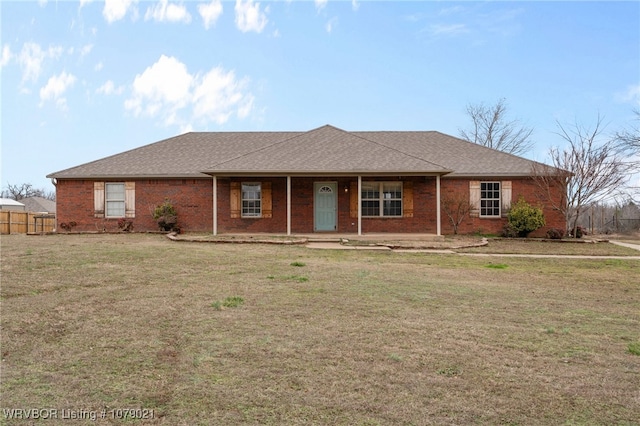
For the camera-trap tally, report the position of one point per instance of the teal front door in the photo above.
(325, 205)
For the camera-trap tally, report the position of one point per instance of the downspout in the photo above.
(438, 218)
(359, 205)
(215, 205)
(288, 205)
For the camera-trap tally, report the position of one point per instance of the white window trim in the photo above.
(491, 216)
(242, 200)
(381, 198)
(107, 200)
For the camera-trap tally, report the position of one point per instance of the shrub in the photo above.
(125, 225)
(555, 234)
(508, 231)
(524, 218)
(68, 226)
(166, 216)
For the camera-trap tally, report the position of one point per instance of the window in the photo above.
(489, 199)
(115, 199)
(251, 200)
(382, 199)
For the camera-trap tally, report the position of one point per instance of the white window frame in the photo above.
(246, 209)
(381, 198)
(488, 200)
(111, 199)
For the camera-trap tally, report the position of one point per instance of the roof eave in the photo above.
(129, 176)
(298, 173)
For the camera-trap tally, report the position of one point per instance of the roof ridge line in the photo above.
(258, 150)
(397, 150)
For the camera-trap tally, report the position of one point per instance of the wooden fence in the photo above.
(17, 222)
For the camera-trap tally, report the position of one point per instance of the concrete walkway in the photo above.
(329, 245)
(623, 244)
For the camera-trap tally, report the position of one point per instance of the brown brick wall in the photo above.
(520, 188)
(193, 199)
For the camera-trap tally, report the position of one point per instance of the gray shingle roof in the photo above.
(325, 150)
(39, 204)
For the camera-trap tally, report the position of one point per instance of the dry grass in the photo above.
(532, 246)
(322, 337)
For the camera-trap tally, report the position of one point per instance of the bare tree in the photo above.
(492, 128)
(629, 139)
(26, 190)
(456, 207)
(586, 171)
(629, 144)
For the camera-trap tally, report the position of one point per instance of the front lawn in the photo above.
(279, 334)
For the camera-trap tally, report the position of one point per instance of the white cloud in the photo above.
(86, 49)
(164, 11)
(320, 4)
(630, 95)
(98, 66)
(7, 55)
(210, 12)
(355, 5)
(218, 95)
(451, 10)
(55, 89)
(114, 10)
(30, 59)
(448, 30)
(108, 88)
(331, 24)
(55, 51)
(249, 17)
(166, 83)
(167, 91)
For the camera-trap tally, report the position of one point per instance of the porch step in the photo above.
(324, 240)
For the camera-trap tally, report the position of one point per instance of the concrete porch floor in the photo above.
(321, 236)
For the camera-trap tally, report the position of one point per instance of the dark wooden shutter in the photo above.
(353, 200)
(265, 189)
(407, 199)
(235, 199)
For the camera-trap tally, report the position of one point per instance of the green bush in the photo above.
(166, 216)
(525, 218)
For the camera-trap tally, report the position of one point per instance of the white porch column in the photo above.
(215, 205)
(288, 205)
(359, 205)
(438, 218)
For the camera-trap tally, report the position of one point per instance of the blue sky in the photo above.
(84, 80)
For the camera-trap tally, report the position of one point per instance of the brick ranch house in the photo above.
(322, 180)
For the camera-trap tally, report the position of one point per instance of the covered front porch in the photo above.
(327, 205)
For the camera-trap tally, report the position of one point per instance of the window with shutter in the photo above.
(114, 199)
(251, 199)
(383, 199)
(490, 203)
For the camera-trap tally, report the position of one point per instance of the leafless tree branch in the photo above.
(492, 128)
(588, 170)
